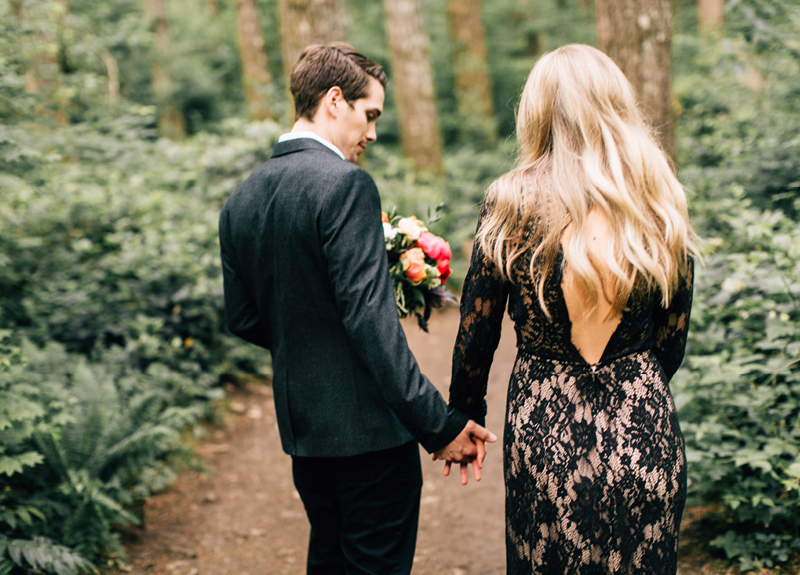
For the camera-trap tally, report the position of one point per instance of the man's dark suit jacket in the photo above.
(306, 276)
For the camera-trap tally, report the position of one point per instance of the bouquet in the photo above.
(419, 264)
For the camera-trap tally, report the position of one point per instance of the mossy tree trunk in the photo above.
(710, 13)
(255, 70)
(171, 123)
(307, 22)
(413, 85)
(45, 58)
(637, 35)
(472, 85)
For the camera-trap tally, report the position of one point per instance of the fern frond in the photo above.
(146, 443)
(54, 456)
(40, 555)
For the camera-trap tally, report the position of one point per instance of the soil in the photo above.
(242, 516)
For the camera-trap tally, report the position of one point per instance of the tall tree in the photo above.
(171, 123)
(637, 35)
(306, 22)
(64, 32)
(473, 88)
(710, 13)
(45, 57)
(255, 71)
(413, 82)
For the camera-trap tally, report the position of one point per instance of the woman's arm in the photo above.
(483, 304)
(671, 325)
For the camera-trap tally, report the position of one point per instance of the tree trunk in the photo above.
(45, 64)
(710, 13)
(255, 71)
(472, 84)
(413, 83)
(306, 22)
(637, 35)
(171, 123)
(64, 35)
(112, 70)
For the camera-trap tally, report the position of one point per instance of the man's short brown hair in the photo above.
(321, 67)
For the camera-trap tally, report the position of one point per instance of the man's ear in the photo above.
(334, 99)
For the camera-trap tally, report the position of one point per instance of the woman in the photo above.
(589, 242)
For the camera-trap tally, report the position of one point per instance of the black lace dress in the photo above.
(594, 461)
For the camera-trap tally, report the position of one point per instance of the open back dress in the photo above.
(594, 462)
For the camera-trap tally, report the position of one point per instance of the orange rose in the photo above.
(414, 264)
(384, 218)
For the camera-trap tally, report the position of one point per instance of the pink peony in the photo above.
(414, 264)
(444, 269)
(434, 246)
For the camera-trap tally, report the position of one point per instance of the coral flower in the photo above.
(384, 218)
(414, 264)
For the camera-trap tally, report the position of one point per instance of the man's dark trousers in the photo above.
(363, 510)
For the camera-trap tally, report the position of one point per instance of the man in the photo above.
(306, 276)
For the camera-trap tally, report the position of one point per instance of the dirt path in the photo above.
(245, 518)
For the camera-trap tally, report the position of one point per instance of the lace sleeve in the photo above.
(483, 304)
(671, 325)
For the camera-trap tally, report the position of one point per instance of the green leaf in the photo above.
(9, 465)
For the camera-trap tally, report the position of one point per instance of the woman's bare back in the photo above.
(591, 328)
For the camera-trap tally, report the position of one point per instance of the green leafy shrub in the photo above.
(108, 240)
(81, 442)
(111, 291)
(40, 555)
(739, 390)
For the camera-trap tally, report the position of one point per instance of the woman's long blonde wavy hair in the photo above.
(584, 146)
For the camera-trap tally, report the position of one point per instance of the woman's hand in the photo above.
(469, 446)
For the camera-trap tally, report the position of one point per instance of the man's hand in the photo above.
(469, 446)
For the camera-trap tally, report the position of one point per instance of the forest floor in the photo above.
(243, 516)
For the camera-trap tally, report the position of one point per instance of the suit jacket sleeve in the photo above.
(353, 246)
(241, 311)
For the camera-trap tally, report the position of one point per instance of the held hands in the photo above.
(469, 446)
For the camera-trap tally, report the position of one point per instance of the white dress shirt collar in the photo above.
(297, 135)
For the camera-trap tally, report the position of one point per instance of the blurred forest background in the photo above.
(127, 123)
